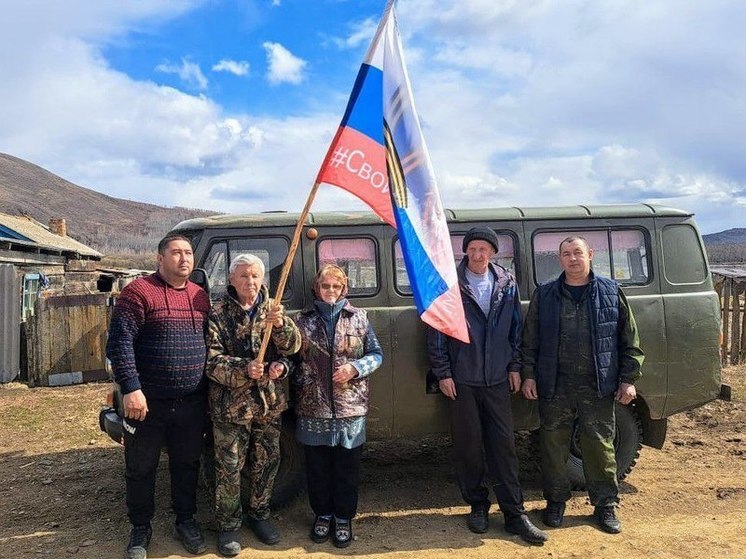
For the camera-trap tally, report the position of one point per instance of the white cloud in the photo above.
(361, 34)
(109, 132)
(189, 72)
(28, 22)
(581, 102)
(284, 66)
(539, 103)
(276, 2)
(235, 67)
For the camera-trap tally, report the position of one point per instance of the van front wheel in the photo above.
(627, 445)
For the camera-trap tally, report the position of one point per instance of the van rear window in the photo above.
(683, 260)
(357, 257)
(620, 254)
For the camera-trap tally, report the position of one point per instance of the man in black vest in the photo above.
(581, 353)
(478, 378)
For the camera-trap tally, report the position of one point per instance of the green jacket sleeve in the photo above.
(223, 368)
(286, 338)
(631, 356)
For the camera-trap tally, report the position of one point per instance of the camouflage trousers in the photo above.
(259, 443)
(596, 424)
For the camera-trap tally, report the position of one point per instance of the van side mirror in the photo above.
(199, 276)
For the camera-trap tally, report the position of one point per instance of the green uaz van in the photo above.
(656, 253)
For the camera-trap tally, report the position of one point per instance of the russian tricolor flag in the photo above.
(379, 155)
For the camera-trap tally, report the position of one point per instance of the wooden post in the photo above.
(726, 322)
(32, 351)
(288, 264)
(742, 349)
(736, 339)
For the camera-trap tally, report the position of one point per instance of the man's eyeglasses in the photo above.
(334, 286)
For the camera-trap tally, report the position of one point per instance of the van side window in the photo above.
(618, 254)
(630, 257)
(683, 261)
(272, 251)
(357, 257)
(505, 258)
(216, 266)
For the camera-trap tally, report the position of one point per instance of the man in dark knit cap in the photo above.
(478, 378)
(157, 351)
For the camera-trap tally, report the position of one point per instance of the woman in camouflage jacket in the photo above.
(338, 352)
(246, 401)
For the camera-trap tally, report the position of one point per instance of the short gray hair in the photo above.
(246, 260)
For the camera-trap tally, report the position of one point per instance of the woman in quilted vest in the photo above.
(339, 351)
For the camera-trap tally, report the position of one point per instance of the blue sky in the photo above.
(230, 104)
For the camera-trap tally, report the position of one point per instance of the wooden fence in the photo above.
(730, 285)
(66, 340)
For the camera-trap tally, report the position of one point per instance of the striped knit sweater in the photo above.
(157, 338)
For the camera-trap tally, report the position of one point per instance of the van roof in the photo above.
(279, 219)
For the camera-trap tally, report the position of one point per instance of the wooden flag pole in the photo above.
(288, 264)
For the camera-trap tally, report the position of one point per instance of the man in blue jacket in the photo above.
(581, 353)
(478, 378)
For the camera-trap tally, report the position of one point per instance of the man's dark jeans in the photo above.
(482, 430)
(179, 425)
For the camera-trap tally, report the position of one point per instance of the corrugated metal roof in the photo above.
(41, 236)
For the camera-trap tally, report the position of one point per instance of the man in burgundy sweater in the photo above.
(157, 351)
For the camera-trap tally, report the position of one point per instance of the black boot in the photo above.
(478, 520)
(607, 520)
(522, 526)
(137, 548)
(189, 534)
(554, 514)
(228, 545)
(264, 530)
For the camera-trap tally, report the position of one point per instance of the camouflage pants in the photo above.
(259, 443)
(596, 423)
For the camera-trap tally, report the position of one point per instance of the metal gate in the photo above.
(10, 323)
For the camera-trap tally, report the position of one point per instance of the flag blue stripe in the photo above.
(427, 283)
(364, 110)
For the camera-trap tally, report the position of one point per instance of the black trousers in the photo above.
(333, 478)
(482, 432)
(179, 425)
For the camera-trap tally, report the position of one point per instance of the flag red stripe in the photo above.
(357, 163)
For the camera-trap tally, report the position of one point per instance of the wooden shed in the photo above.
(55, 318)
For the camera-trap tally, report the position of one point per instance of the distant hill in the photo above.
(126, 232)
(726, 246)
(729, 237)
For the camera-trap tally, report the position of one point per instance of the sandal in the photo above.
(342, 533)
(321, 529)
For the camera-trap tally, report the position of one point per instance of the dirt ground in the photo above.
(62, 493)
